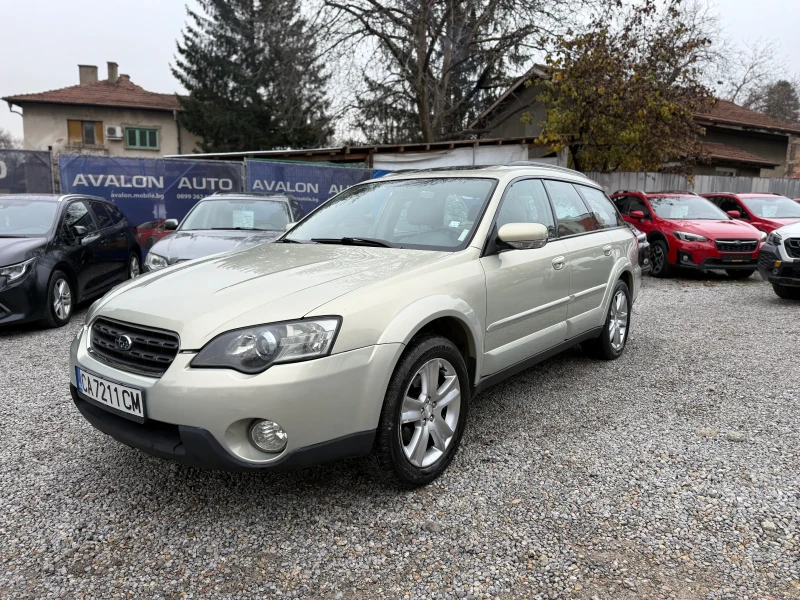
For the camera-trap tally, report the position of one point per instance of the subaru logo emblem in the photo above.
(123, 343)
(738, 242)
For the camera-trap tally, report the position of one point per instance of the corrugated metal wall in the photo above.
(702, 184)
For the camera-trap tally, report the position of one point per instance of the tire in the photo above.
(739, 274)
(59, 288)
(786, 292)
(134, 265)
(395, 439)
(659, 259)
(611, 342)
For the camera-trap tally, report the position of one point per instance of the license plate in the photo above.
(120, 398)
(737, 258)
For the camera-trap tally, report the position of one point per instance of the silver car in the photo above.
(367, 328)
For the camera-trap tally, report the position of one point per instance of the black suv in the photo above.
(56, 251)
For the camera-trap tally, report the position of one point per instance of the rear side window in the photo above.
(571, 212)
(602, 208)
(103, 218)
(526, 202)
(116, 216)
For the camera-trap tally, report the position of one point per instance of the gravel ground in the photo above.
(673, 472)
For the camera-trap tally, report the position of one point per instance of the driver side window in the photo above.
(526, 202)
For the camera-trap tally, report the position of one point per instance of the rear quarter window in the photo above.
(603, 209)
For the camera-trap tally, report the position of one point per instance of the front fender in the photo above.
(414, 317)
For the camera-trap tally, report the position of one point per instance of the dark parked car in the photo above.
(222, 223)
(56, 251)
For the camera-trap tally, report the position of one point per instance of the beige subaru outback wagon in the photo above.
(368, 327)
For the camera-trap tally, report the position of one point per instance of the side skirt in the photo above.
(490, 380)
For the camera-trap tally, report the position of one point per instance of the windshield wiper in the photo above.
(353, 241)
(236, 229)
(14, 235)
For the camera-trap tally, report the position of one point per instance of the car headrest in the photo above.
(427, 212)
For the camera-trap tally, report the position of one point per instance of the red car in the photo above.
(150, 232)
(766, 212)
(686, 230)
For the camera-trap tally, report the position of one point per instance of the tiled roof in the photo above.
(734, 154)
(124, 94)
(726, 112)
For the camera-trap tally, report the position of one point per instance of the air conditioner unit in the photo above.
(114, 133)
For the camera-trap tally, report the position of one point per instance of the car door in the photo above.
(590, 256)
(112, 252)
(527, 291)
(83, 248)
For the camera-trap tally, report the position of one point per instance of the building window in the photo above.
(726, 172)
(136, 137)
(85, 133)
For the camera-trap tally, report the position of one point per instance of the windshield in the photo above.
(436, 214)
(262, 215)
(26, 218)
(686, 207)
(773, 207)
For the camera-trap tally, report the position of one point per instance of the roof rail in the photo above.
(542, 165)
(691, 193)
(630, 192)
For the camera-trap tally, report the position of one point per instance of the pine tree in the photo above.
(781, 102)
(253, 77)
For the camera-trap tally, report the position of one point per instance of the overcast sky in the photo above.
(43, 41)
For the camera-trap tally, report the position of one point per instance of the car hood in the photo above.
(717, 229)
(16, 250)
(781, 222)
(790, 230)
(264, 284)
(187, 245)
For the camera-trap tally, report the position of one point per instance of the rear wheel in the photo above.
(610, 344)
(60, 300)
(740, 274)
(786, 292)
(134, 265)
(659, 258)
(424, 413)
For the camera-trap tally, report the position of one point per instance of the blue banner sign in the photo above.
(310, 184)
(148, 191)
(26, 171)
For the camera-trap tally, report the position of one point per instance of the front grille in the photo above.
(151, 352)
(767, 259)
(793, 247)
(737, 245)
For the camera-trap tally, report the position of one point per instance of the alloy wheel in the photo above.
(62, 301)
(658, 259)
(134, 268)
(618, 320)
(430, 411)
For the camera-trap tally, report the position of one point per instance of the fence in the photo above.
(26, 171)
(701, 184)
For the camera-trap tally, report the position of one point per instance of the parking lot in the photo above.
(673, 472)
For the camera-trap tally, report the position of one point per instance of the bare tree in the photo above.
(8, 141)
(747, 72)
(434, 65)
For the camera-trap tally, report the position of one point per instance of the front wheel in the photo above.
(740, 274)
(786, 292)
(60, 300)
(659, 259)
(610, 344)
(134, 266)
(424, 413)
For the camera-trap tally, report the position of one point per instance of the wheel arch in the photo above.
(70, 272)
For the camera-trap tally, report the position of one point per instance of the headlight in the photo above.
(775, 239)
(689, 237)
(255, 349)
(763, 236)
(155, 261)
(18, 271)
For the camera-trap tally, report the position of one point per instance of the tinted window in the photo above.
(76, 214)
(572, 214)
(601, 206)
(103, 218)
(621, 202)
(637, 203)
(116, 215)
(526, 202)
(727, 204)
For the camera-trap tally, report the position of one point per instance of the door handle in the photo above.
(558, 263)
(607, 250)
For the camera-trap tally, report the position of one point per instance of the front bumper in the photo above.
(329, 407)
(23, 301)
(788, 271)
(705, 256)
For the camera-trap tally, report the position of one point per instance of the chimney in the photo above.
(113, 72)
(87, 73)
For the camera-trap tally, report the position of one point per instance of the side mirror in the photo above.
(171, 224)
(289, 226)
(637, 214)
(734, 214)
(79, 231)
(523, 236)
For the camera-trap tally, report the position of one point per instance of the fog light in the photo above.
(268, 436)
(777, 264)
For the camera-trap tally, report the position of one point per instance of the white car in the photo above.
(779, 261)
(368, 327)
